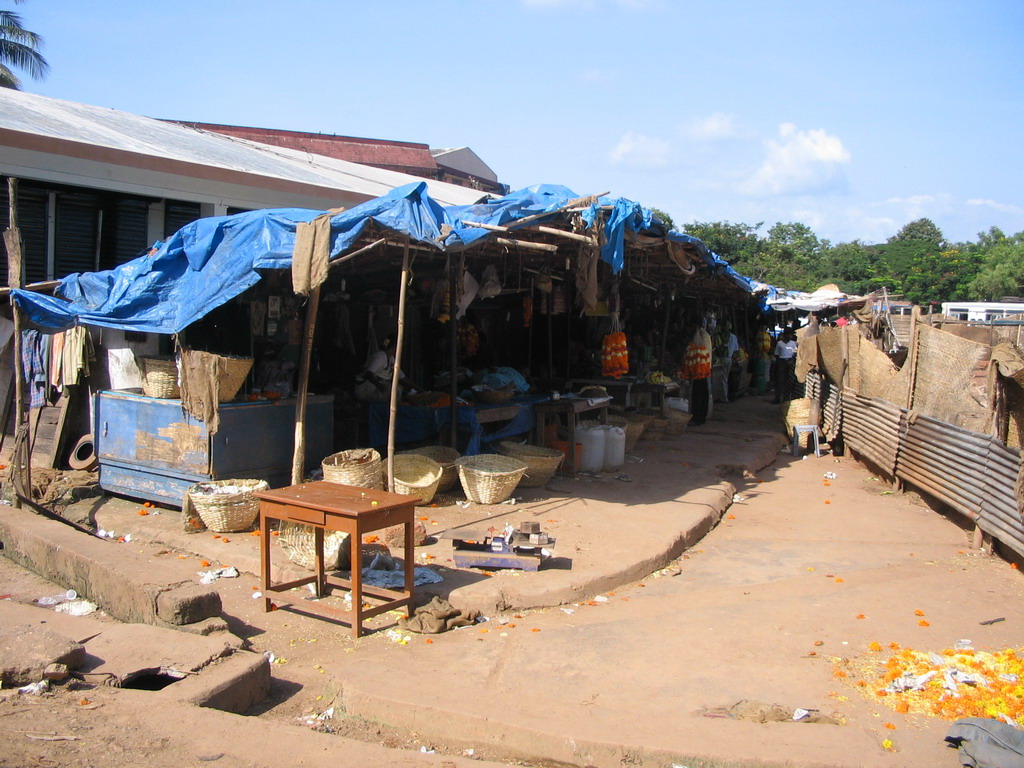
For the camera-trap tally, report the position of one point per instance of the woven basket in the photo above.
(657, 426)
(417, 475)
(677, 421)
(359, 466)
(444, 456)
(297, 542)
(541, 463)
(794, 413)
(226, 506)
(633, 424)
(489, 478)
(231, 374)
(159, 377)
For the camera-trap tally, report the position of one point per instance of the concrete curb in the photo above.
(110, 579)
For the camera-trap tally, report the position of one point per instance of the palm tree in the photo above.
(19, 48)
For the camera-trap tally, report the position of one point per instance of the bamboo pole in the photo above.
(512, 243)
(399, 340)
(21, 463)
(915, 316)
(299, 454)
(453, 349)
(545, 230)
(664, 331)
(360, 252)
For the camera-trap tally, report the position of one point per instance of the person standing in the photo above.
(785, 364)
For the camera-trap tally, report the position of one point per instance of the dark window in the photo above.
(177, 214)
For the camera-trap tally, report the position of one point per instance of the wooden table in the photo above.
(334, 507)
(572, 407)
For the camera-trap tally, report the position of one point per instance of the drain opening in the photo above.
(151, 680)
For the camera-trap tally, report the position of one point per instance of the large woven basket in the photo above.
(231, 374)
(226, 506)
(541, 463)
(417, 475)
(444, 456)
(297, 541)
(159, 377)
(634, 425)
(795, 413)
(359, 466)
(489, 478)
(677, 421)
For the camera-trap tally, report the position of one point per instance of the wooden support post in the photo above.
(299, 454)
(454, 274)
(399, 341)
(664, 332)
(915, 317)
(21, 458)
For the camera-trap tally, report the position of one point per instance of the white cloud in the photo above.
(1004, 207)
(635, 150)
(800, 162)
(717, 125)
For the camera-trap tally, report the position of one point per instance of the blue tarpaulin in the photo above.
(210, 261)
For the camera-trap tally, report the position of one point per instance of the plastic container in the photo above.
(563, 446)
(614, 448)
(593, 448)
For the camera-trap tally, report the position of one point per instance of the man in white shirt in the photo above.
(785, 363)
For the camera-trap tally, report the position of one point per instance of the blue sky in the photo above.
(851, 117)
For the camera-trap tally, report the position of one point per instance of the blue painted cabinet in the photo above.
(149, 448)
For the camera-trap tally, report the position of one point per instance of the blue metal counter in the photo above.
(149, 448)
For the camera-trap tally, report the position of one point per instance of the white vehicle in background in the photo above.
(981, 311)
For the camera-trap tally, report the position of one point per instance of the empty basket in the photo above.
(417, 475)
(489, 478)
(359, 466)
(541, 463)
(159, 377)
(231, 374)
(226, 506)
(444, 456)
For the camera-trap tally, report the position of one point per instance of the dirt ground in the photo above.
(803, 574)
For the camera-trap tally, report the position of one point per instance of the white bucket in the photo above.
(592, 439)
(614, 448)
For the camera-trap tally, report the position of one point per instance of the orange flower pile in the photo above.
(1002, 693)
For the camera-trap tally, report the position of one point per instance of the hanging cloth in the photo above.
(312, 252)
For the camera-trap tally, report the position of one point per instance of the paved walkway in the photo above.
(604, 661)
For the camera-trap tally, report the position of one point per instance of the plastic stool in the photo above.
(800, 429)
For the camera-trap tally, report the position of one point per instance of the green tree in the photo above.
(1002, 269)
(923, 230)
(663, 217)
(19, 49)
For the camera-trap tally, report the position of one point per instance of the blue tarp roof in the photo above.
(212, 260)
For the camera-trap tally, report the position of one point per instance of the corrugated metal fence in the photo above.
(973, 473)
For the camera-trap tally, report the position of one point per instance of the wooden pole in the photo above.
(399, 340)
(454, 272)
(21, 470)
(299, 455)
(915, 316)
(664, 332)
